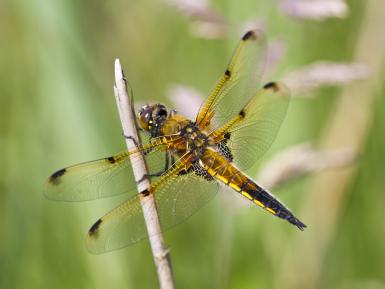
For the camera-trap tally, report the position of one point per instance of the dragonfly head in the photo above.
(152, 116)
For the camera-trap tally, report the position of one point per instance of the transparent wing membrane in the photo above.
(177, 198)
(182, 197)
(236, 110)
(238, 84)
(102, 178)
(121, 226)
(253, 131)
(92, 180)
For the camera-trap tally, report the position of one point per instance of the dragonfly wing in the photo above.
(102, 178)
(177, 198)
(237, 85)
(251, 133)
(122, 226)
(186, 194)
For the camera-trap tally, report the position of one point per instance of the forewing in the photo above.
(177, 198)
(102, 178)
(237, 85)
(254, 130)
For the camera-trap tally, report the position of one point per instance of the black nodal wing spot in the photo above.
(111, 160)
(249, 35)
(54, 178)
(242, 113)
(271, 85)
(228, 73)
(94, 229)
(227, 135)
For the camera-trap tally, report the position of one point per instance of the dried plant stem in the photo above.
(127, 116)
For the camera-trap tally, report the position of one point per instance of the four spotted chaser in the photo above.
(187, 159)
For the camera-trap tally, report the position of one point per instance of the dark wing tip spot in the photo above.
(228, 73)
(249, 35)
(271, 85)
(111, 160)
(94, 229)
(54, 178)
(242, 113)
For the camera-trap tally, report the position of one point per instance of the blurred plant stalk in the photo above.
(348, 127)
(301, 160)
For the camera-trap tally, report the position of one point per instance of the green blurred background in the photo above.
(57, 108)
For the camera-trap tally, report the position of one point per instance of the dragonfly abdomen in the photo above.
(221, 169)
(264, 199)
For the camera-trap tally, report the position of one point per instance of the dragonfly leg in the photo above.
(172, 160)
(158, 174)
(131, 138)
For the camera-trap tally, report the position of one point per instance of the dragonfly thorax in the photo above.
(196, 141)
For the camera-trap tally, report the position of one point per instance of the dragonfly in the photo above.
(188, 160)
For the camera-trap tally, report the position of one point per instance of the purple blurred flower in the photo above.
(205, 22)
(318, 10)
(324, 73)
(186, 100)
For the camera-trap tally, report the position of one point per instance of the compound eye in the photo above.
(161, 111)
(145, 117)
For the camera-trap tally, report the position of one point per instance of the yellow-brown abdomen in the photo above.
(224, 171)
